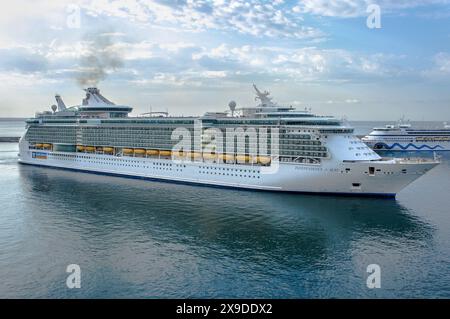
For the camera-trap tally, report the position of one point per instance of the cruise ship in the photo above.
(265, 147)
(403, 137)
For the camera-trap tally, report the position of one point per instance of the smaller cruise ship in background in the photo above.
(404, 137)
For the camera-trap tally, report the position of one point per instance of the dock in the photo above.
(9, 139)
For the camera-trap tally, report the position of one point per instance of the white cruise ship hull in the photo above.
(330, 177)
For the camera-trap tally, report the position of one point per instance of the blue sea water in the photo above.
(146, 239)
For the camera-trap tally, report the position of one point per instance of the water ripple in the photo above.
(136, 238)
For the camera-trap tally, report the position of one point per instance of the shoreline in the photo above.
(9, 139)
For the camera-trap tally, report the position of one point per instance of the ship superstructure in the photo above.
(267, 147)
(404, 137)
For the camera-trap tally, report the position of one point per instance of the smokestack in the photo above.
(93, 96)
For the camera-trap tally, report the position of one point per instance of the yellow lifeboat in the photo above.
(39, 145)
(209, 156)
(108, 149)
(152, 152)
(181, 154)
(195, 155)
(263, 159)
(165, 153)
(90, 149)
(80, 148)
(47, 146)
(139, 152)
(228, 158)
(127, 151)
(243, 158)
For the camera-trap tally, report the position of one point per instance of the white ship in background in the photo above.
(315, 154)
(404, 137)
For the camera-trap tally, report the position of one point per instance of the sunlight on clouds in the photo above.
(187, 64)
(255, 17)
(305, 64)
(217, 45)
(129, 9)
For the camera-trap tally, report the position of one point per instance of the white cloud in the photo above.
(214, 74)
(355, 8)
(441, 66)
(442, 62)
(304, 64)
(18, 79)
(185, 64)
(254, 17)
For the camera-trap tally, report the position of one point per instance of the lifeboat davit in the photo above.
(80, 148)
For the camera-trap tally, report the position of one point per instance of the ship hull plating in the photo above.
(376, 178)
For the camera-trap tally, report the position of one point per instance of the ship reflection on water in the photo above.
(135, 238)
(152, 239)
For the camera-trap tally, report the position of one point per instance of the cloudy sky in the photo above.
(191, 56)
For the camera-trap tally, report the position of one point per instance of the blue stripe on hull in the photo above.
(382, 146)
(377, 195)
